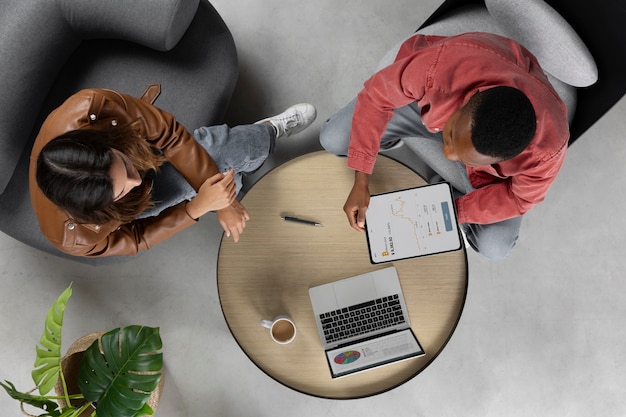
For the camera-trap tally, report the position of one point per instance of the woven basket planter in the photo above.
(70, 365)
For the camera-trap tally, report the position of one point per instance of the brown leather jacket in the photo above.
(99, 109)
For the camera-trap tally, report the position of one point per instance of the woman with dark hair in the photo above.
(112, 174)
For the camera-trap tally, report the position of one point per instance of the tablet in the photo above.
(413, 222)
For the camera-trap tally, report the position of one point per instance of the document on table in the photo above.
(412, 222)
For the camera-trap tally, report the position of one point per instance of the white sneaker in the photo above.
(293, 120)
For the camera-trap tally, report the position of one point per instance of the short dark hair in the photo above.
(503, 122)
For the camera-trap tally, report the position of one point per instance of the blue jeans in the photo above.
(494, 241)
(242, 148)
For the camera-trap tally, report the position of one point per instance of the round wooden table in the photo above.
(269, 271)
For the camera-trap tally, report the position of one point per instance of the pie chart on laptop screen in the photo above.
(347, 357)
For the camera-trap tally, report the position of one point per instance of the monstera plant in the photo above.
(117, 373)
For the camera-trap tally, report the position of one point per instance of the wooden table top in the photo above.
(269, 271)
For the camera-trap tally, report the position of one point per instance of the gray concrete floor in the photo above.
(542, 333)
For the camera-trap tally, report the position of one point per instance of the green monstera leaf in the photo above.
(119, 379)
(50, 407)
(48, 360)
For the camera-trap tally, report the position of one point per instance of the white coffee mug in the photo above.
(282, 329)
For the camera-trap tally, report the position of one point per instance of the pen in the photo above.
(297, 220)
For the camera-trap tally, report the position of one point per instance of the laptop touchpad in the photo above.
(350, 292)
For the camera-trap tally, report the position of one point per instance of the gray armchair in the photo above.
(53, 48)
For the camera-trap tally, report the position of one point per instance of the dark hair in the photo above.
(73, 171)
(503, 122)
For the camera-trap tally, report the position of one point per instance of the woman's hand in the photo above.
(233, 219)
(217, 192)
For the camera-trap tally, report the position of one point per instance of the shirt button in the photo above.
(436, 129)
(92, 117)
(97, 227)
(71, 226)
(113, 123)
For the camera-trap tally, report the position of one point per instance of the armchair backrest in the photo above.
(543, 31)
(157, 24)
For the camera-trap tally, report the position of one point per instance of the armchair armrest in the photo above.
(157, 24)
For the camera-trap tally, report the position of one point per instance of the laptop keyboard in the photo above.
(362, 318)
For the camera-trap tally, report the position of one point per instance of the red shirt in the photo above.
(441, 74)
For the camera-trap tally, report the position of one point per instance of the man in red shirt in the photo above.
(479, 110)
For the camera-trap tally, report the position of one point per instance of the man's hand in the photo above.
(233, 219)
(358, 201)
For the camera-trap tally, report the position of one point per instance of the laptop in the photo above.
(363, 322)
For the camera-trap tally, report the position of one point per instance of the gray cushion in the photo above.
(33, 47)
(537, 26)
(157, 24)
(471, 18)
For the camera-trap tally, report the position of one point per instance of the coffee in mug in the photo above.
(282, 329)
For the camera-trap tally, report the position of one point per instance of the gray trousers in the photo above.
(242, 148)
(494, 241)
